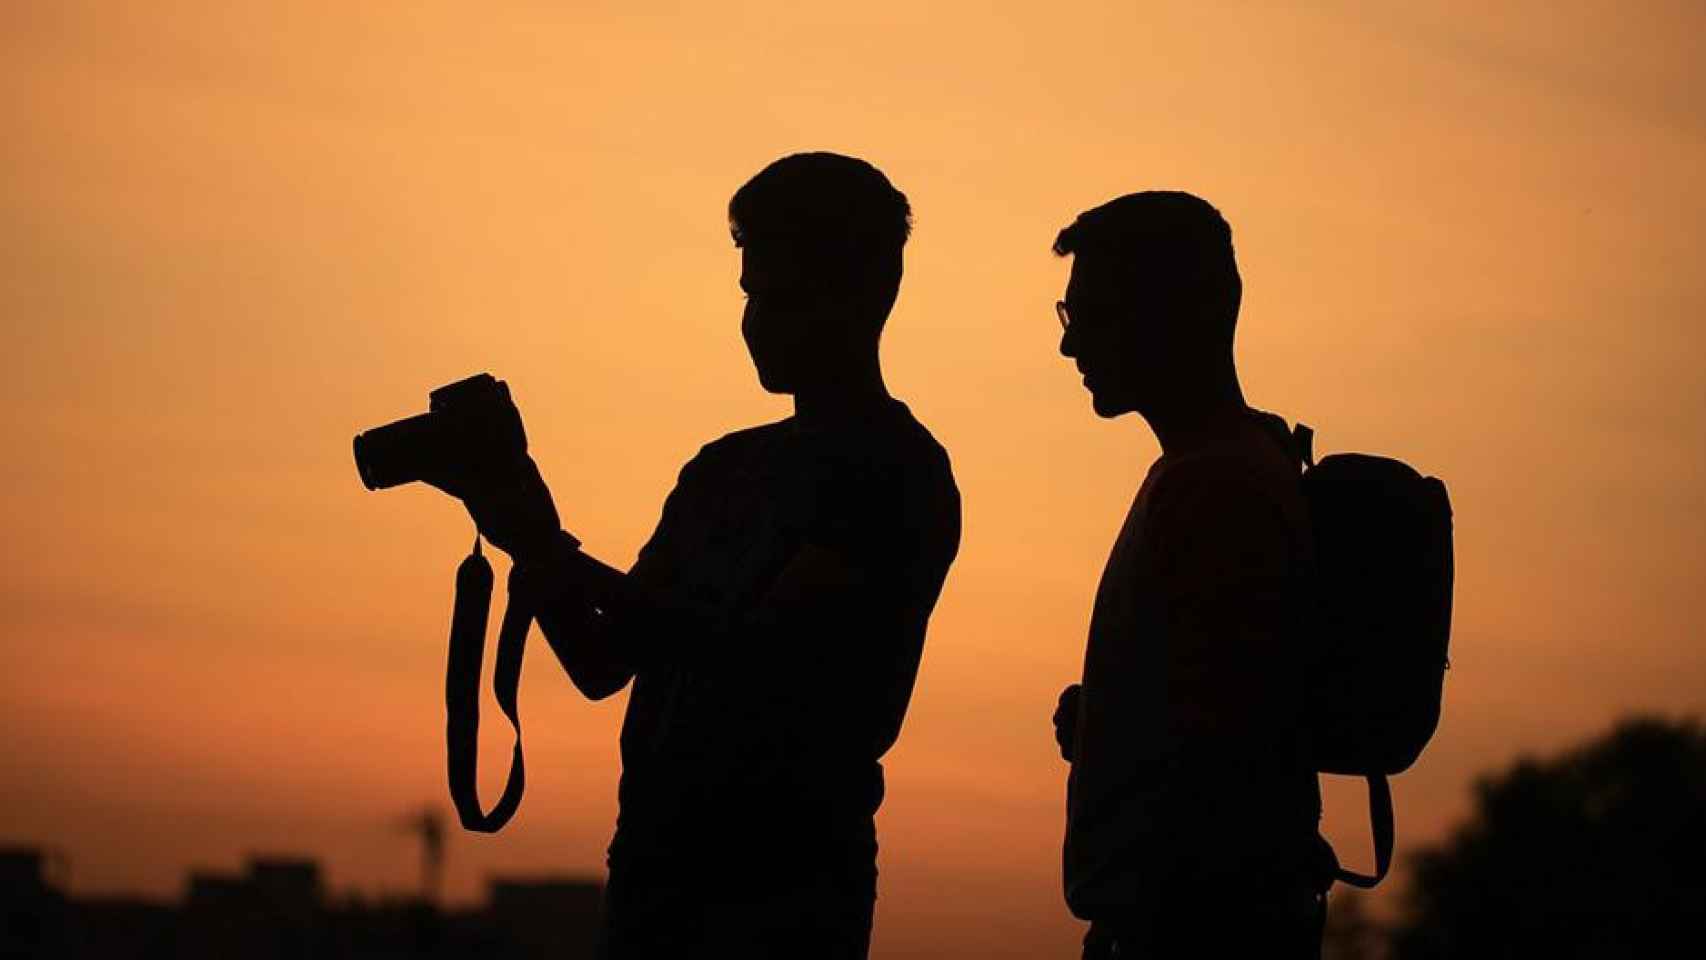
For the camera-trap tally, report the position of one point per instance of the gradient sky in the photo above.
(233, 234)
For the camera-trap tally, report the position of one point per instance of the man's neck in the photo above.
(1189, 422)
(844, 398)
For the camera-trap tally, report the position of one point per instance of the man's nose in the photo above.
(1068, 344)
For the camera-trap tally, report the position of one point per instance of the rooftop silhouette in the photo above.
(278, 908)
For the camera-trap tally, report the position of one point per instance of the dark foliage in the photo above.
(1597, 853)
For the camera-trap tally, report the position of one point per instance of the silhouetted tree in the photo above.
(1597, 853)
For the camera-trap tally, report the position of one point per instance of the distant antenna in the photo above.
(428, 824)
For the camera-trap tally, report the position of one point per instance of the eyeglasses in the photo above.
(1061, 312)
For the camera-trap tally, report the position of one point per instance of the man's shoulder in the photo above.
(735, 446)
(909, 474)
(1250, 484)
(889, 448)
(889, 452)
(748, 437)
(1223, 511)
(911, 445)
(892, 498)
(1250, 462)
(1211, 474)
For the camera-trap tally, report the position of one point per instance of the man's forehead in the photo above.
(771, 266)
(1097, 276)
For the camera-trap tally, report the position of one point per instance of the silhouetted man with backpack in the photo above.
(772, 626)
(1192, 803)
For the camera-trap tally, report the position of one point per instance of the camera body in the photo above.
(469, 426)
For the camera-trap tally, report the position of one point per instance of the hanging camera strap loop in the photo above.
(462, 690)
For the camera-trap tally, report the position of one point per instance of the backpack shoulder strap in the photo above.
(1297, 442)
(1380, 817)
(1303, 441)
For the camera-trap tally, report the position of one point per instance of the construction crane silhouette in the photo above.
(427, 823)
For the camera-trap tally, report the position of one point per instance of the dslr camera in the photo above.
(469, 425)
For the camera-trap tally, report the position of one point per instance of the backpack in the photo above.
(1384, 568)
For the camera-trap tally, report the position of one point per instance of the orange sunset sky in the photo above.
(233, 234)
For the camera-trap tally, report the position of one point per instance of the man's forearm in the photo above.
(565, 589)
(603, 624)
(607, 625)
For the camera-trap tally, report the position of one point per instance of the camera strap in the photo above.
(462, 690)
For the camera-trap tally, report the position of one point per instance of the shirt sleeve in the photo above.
(894, 524)
(893, 527)
(660, 558)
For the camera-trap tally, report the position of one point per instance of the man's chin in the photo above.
(1107, 407)
(774, 384)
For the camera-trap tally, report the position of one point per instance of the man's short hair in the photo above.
(1172, 243)
(838, 217)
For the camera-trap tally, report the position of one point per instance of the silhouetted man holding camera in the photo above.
(772, 625)
(1192, 806)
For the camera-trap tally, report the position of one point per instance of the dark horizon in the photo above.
(278, 906)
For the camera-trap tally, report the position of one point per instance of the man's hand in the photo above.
(1066, 721)
(511, 505)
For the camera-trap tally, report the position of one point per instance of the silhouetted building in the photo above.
(274, 910)
(547, 917)
(33, 916)
(119, 928)
(277, 908)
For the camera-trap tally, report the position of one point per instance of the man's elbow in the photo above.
(597, 685)
(582, 651)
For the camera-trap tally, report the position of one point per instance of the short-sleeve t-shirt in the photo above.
(759, 747)
(1189, 766)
